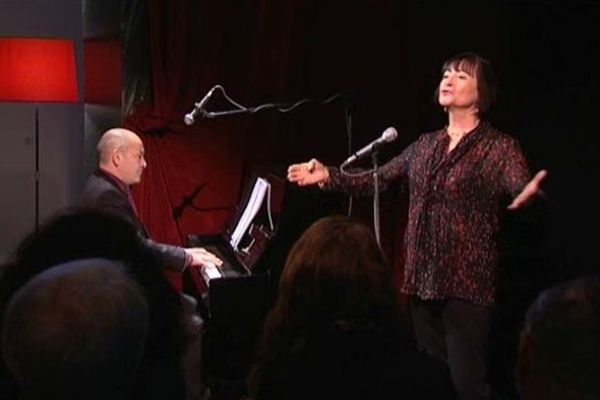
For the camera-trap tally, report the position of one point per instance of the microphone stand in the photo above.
(376, 226)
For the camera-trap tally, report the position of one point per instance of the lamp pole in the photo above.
(37, 168)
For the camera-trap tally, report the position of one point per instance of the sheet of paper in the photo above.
(259, 191)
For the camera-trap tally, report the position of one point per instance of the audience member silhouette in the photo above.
(334, 331)
(559, 351)
(76, 331)
(81, 234)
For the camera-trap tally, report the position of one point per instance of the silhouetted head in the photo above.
(559, 351)
(335, 286)
(335, 271)
(86, 233)
(72, 235)
(76, 331)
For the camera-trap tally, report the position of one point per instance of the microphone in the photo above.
(389, 135)
(190, 117)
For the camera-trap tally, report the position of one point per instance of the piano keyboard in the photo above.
(210, 271)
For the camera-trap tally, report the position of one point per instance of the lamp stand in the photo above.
(37, 169)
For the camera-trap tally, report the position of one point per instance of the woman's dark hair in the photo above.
(482, 70)
(335, 271)
(334, 275)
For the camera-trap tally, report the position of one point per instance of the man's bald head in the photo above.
(121, 152)
(115, 139)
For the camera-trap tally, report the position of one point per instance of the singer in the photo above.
(459, 178)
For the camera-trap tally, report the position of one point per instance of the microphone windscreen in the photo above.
(188, 119)
(389, 135)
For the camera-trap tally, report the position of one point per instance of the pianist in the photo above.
(121, 164)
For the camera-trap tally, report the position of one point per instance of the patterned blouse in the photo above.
(455, 202)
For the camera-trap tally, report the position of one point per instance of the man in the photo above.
(76, 331)
(121, 164)
(559, 352)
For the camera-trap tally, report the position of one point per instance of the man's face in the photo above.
(132, 162)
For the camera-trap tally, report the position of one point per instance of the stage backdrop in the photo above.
(382, 58)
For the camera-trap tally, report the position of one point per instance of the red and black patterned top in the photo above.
(455, 201)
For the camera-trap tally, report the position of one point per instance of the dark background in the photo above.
(383, 59)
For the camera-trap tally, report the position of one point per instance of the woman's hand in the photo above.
(308, 173)
(531, 190)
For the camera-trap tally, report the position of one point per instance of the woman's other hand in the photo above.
(530, 191)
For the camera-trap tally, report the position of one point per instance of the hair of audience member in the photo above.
(71, 235)
(89, 233)
(559, 351)
(83, 233)
(334, 274)
(76, 331)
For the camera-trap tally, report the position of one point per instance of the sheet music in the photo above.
(259, 191)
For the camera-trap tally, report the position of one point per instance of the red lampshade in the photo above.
(37, 70)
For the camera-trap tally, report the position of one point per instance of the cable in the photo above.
(281, 107)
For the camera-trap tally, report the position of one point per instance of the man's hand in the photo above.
(199, 256)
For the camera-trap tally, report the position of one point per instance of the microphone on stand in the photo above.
(389, 135)
(190, 117)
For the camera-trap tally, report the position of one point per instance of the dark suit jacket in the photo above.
(103, 194)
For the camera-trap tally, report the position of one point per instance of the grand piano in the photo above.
(241, 246)
(235, 297)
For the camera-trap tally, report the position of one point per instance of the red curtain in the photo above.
(262, 52)
(103, 71)
(250, 50)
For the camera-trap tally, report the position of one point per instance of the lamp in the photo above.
(37, 70)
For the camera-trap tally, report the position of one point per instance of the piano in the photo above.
(235, 297)
(240, 247)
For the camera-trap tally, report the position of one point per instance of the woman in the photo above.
(460, 178)
(333, 332)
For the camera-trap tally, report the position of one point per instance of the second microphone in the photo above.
(389, 135)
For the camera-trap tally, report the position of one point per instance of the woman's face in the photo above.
(458, 89)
